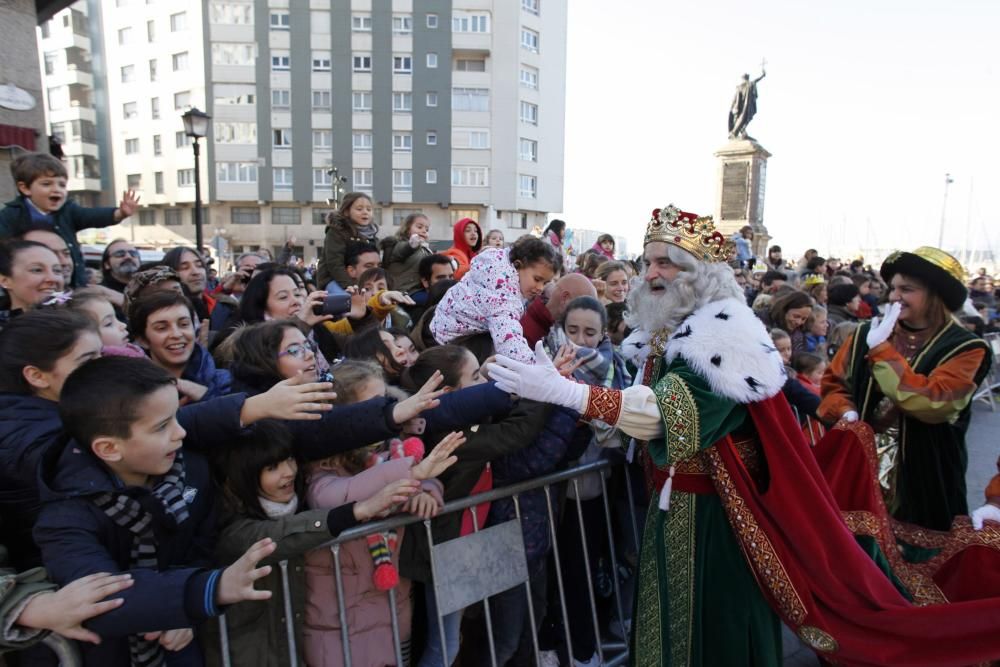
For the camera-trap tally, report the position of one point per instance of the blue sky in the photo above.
(865, 106)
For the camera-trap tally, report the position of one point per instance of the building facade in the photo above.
(454, 108)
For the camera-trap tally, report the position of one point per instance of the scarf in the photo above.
(275, 510)
(368, 231)
(601, 367)
(127, 512)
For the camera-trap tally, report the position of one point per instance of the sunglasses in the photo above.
(119, 254)
(299, 350)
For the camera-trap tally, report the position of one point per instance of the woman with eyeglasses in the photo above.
(30, 273)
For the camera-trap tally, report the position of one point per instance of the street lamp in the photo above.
(196, 127)
(337, 185)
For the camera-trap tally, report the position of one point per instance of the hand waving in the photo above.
(65, 610)
(129, 204)
(881, 329)
(425, 399)
(440, 458)
(237, 580)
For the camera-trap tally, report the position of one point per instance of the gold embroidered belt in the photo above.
(692, 475)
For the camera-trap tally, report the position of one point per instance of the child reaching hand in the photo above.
(492, 295)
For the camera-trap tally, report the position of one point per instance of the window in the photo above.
(225, 53)
(529, 77)
(128, 73)
(180, 61)
(150, 31)
(321, 61)
(322, 178)
(320, 215)
(402, 101)
(58, 97)
(322, 140)
(361, 141)
(520, 222)
(51, 59)
(432, 61)
(528, 186)
(432, 99)
(529, 113)
(181, 139)
(158, 182)
(283, 137)
(401, 214)
(282, 178)
(470, 65)
(154, 108)
(147, 217)
(182, 100)
(230, 13)
(469, 176)
(361, 101)
(125, 36)
(281, 98)
(361, 22)
(131, 146)
(185, 178)
(402, 142)
(432, 139)
(362, 179)
(431, 176)
(130, 110)
(236, 172)
(402, 180)
(530, 6)
(362, 63)
(467, 22)
(233, 95)
(319, 22)
(286, 215)
(281, 21)
(432, 21)
(402, 65)
(152, 69)
(172, 217)
(528, 150)
(234, 132)
(470, 138)
(470, 99)
(134, 181)
(157, 145)
(402, 24)
(281, 62)
(244, 215)
(529, 40)
(321, 99)
(178, 22)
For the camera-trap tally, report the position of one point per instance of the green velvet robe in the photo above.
(698, 602)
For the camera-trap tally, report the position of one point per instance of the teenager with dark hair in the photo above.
(190, 268)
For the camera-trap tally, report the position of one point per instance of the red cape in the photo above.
(817, 577)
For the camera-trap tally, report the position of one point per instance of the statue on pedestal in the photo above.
(744, 106)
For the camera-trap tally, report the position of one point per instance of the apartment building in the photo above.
(451, 108)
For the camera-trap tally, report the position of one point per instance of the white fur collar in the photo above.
(726, 344)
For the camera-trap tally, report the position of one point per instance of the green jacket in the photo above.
(402, 263)
(68, 220)
(15, 589)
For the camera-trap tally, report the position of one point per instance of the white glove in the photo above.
(538, 382)
(988, 512)
(415, 241)
(850, 416)
(881, 329)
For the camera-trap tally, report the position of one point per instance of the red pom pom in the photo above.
(413, 447)
(656, 213)
(385, 577)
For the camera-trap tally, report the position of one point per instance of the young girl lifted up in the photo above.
(492, 295)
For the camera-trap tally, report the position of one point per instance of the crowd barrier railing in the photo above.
(470, 569)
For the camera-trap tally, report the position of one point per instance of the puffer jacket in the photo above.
(402, 262)
(339, 233)
(461, 251)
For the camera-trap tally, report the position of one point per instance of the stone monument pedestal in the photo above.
(742, 172)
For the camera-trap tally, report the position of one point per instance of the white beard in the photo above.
(653, 312)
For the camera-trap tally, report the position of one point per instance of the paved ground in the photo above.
(983, 441)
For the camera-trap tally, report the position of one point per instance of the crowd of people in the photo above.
(170, 436)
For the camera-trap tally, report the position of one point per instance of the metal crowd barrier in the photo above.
(473, 574)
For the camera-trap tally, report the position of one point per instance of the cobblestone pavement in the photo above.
(983, 442)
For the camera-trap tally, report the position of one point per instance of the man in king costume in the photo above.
(742, 529)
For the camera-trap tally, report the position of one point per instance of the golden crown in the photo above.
(690, 232)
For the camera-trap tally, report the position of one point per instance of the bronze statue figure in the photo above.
(744, 106)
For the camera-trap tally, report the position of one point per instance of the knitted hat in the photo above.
(942, 273)
(841, 295)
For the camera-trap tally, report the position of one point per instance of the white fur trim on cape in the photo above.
(726, 344)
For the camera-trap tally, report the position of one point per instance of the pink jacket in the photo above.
(488, 298)
(368, 615)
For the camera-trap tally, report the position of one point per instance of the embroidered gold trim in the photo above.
(681, 424)
(648, 638)
(817, 639)
(757, 548)
(604, 404)
(679, 542)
